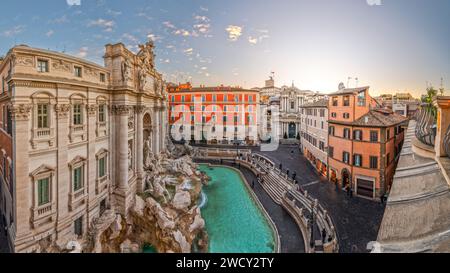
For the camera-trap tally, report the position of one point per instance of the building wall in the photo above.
(237, 102)
(54, 151)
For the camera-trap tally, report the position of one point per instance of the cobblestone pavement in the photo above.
(291, 239)
(357, 220)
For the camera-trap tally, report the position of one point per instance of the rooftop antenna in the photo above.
(348, 81)
(356, 81)
(272, 75)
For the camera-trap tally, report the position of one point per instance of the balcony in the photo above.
(101, 184)
(426, 124)
(43, 214)
(77, 132)
(42, 135)
(77, 198)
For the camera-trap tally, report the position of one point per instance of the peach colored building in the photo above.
(364, 142)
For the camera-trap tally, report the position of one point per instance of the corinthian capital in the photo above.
(20, 111)
(91, 109)
(140, 109)
(121, 109)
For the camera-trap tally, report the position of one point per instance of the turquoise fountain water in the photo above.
(234, 221)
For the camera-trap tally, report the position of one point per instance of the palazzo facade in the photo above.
(72, 138)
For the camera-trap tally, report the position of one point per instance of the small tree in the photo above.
(428, 99)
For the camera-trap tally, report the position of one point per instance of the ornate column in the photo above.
(155, 126)
(21, 115)
(121, 113)
(140, 109)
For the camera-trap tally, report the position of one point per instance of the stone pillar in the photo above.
(121, 112)
(21, 115)
(442, 124)
(63, 172)
(156, 127)
(92, 161)
(140, 146)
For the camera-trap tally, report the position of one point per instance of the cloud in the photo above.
(107, 25)
(374, 2)
(203, 8)
(130, 38)
(59, 20)
(234, 32)
(83, 52)
(169, 25)
(188, 51)
(253, 41)
(183, 32)
(113, 12)
(73, 2)
(49, 33)
(13, 31)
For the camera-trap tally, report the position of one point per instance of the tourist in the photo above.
(382, 199)
(294, 174)
(324, 235)
(287, 172)
(292, 152)
(351, 192)
(281, 166)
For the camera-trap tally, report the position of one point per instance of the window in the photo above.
(250, 109)
(357, 160)
(214, 98)
(172, 98)
(225, 98)
(330, 151)
(321, 125)
(388, 134)
(224, 119)
(250, 98)
(102, 77)
(42, 66)
(42, 116)
(78, 178)
(388, 159)
(101, 113)
(374, 162)
(357, 135)
(361, 99)
(346, 100)
(333, 115)
(235, 119)
(236, 98)
(345, 157)
(335, 101)
(224, 108)
(77, 71)
(322, 113)
(3, 85)
(192, 108)
(292, 105)
(182, 98)
(77, 114)
(43, 191)
(373, 136)
(203, 119)
(331, 130)
(203, 98)
(78, 226)
(102, 167)
(346, 115)
(203, 108)
(192, 118)
(347, 133)
(321, 145)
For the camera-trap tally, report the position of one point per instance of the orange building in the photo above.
(213, 115)
(364, 142)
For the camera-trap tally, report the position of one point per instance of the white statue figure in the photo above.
(126, 71)
(142, 75)
(130, 166)
(148, 155)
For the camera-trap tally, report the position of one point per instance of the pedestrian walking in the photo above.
(294, 175)
(287, 172)
(281, 166)
(292, 152)
(382, 199)
(324, 235)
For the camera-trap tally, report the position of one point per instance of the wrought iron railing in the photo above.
(426, 124)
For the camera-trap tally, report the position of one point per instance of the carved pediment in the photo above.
(43, 169)
(76, 160)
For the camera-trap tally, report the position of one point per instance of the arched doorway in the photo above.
(345, 178)
(292, 130)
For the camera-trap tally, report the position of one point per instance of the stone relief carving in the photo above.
(20, 111)
(130, 157)
(61, 65)
(62, 110)
(142, 75)
(23, 60)
(91, 72)
(91, 109)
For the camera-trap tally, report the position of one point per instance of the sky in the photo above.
(390, 45)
